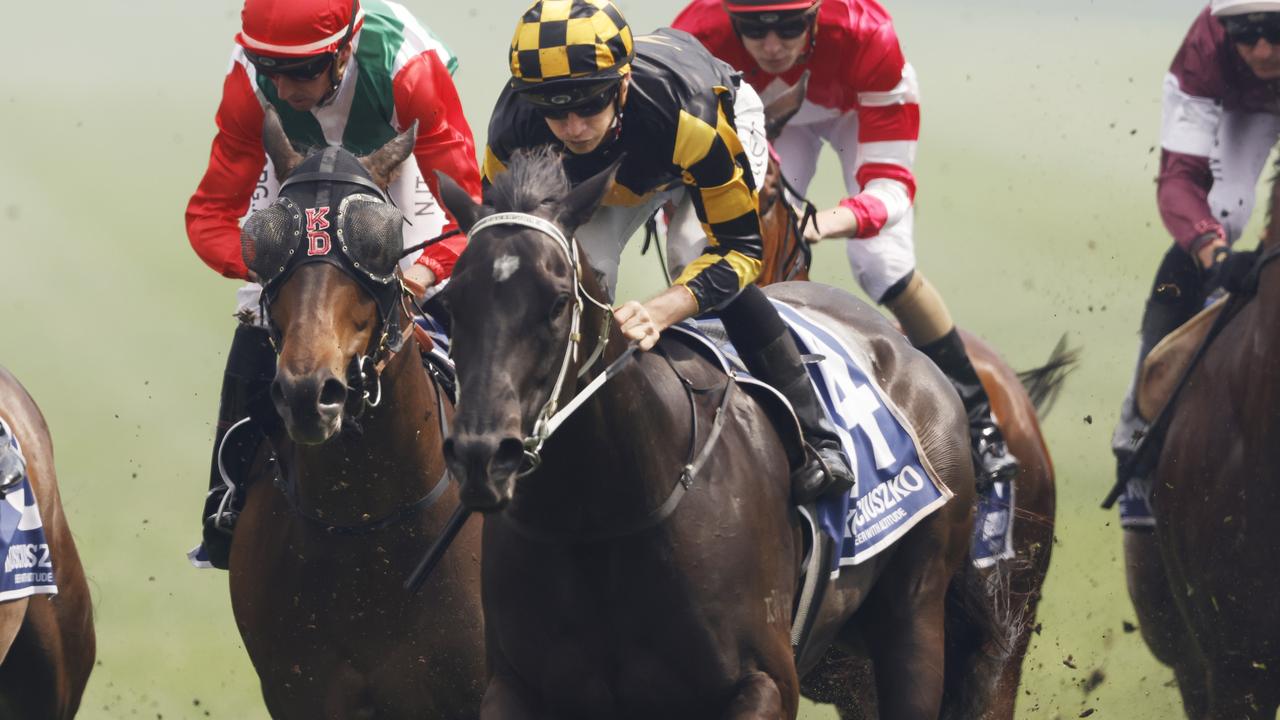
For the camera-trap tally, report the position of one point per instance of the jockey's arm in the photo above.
(235, 163)
(1192, 113)
(888, 113)
(1183, 196)
(728, 208)
(424, 91)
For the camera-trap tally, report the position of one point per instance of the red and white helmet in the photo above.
(1222, 8)
(298, 28)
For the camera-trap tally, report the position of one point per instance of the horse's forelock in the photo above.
(533, 177)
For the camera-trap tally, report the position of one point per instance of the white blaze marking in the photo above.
(504, 267)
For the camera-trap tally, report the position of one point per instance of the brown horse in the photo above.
(319, 557)
(1207, 602)
(646, 564)
(1018, 401)
(46, 641)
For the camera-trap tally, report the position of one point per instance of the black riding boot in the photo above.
(1176, 296)
(991, 456)
(245, 394)
(770, 353)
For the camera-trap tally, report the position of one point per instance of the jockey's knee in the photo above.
(919, 308)
(1178, 280)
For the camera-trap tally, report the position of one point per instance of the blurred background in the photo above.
(1036, 217)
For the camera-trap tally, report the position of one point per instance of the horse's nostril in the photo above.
(333, 392)
(510, 452)
(277, 393)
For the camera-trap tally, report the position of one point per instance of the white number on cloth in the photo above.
(858, 411)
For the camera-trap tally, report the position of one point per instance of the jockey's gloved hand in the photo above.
(1211, 257)
(417, 279)
(1235, 273)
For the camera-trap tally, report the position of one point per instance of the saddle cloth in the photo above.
(28, 564)
(1168, 360)
(895, 486)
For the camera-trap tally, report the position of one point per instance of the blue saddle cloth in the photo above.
(28, 563)
(895, 486)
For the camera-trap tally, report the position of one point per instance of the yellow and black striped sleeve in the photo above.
(718, 177)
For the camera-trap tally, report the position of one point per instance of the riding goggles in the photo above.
(302, 69)
(1248, 29)
(589, 101)
(787, 26)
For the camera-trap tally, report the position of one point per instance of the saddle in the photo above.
(1168, 360)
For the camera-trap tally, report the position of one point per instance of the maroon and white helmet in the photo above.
(1222, 8)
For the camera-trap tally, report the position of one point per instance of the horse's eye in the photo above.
(558, 307)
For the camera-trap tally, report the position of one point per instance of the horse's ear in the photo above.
(382, 163)
(459, 204)
(283, 157)
(784, 107)
(581, 202)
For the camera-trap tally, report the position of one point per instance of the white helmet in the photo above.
(1221, 8)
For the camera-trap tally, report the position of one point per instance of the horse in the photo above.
(1204, 581)
(47, 642)
(1018, 400)
(641, 554)
(356, 486)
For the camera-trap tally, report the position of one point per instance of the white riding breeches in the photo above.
(878, 262)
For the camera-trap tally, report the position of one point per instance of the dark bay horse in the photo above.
(319, 557)
(47, 642)
(644, 564)
(1018, 400)
(1207, 603)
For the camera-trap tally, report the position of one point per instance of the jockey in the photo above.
(339, 72)
(687, 127)
(1221, 120)
(862, 100)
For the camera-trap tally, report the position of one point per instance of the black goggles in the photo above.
(587, 103)
(1249, 28)
(757, 26)
(308, 68)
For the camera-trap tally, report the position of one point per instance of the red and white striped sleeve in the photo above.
(235, 163)
(424, 91)
(888, 130)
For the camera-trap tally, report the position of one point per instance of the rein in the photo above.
(697, 458)
(288, 487)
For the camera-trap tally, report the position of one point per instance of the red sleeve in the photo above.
(424, 91)
(1182, 192)
(235, 162)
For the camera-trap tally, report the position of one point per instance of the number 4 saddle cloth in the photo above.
(895, 487)
(28, 567)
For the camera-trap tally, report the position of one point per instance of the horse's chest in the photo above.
(610, 643)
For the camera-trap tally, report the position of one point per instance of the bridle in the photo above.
(387, 290)
(551, 416)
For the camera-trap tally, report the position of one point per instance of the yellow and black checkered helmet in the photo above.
(562, 43)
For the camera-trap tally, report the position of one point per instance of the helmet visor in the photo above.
(557, 100)
(306, 68)
(786, 25)
(1248, 29)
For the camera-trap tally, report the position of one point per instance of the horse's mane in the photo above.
(533, 177)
